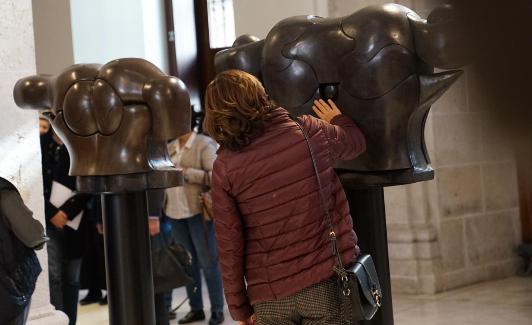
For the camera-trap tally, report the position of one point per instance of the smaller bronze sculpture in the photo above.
(115, 120)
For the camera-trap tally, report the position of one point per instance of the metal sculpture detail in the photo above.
(377, 64)
(115, 120)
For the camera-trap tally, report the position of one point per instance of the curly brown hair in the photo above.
(237, 109)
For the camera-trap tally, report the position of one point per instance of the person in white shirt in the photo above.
(195, 154)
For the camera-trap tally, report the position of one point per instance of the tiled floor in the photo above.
(506, 302)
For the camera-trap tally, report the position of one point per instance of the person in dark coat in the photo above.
(67, 243)
(273, 240)
(20, 235)
(159, 231)
(93, 266)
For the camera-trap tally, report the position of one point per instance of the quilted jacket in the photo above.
(271, 231)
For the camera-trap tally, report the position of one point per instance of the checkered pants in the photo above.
(315, 305)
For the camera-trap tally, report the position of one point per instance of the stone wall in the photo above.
(20, 159)
(53, 35)
(462, 227)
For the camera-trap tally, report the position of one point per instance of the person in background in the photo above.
(20, 235)
(158, 225)
(273, 238)
(44, 125)
(93, 265)
(195, 154)
(67, 244)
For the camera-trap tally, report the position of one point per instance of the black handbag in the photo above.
(361, 293)
(172, 266)
(359, 288)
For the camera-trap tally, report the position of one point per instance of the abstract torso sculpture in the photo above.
(377, 64)
(115, 120)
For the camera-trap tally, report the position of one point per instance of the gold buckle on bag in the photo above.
(376, 296)
(345, 283)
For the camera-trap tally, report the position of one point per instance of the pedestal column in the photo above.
(128, 259)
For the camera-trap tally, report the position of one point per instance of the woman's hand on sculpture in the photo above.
(326, 110)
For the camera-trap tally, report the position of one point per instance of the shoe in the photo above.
(103, 301)
(217, 318)
(192, 316)
(90, 299)
(172, 315)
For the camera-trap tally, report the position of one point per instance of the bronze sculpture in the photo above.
(377, 64)
(115, 120)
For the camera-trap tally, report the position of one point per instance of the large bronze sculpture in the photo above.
(377, 64)
(115, 120)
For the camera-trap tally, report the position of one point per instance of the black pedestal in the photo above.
(128, 259)
(369, 218)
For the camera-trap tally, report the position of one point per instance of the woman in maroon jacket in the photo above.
(273, 239)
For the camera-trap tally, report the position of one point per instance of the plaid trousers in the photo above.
(315, 305)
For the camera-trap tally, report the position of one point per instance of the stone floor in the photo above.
(507, 301)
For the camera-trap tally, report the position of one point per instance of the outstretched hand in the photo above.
(326, 110)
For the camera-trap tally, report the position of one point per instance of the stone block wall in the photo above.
(478, 212)
(462, 227)
(20, 155)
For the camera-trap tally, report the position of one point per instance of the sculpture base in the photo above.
(164, 178)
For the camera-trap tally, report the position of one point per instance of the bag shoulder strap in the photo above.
(339, 268)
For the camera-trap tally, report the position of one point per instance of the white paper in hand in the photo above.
(60, 194)
(74, 223)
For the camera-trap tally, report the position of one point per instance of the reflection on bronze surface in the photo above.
(378, 66)
(115, 120)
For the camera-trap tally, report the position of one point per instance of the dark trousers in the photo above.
(21, 318)
(162, 300)
(161, 309)
(93, 266)
(10, 312)
(63, 276)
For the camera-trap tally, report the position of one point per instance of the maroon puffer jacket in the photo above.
(271, 231)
